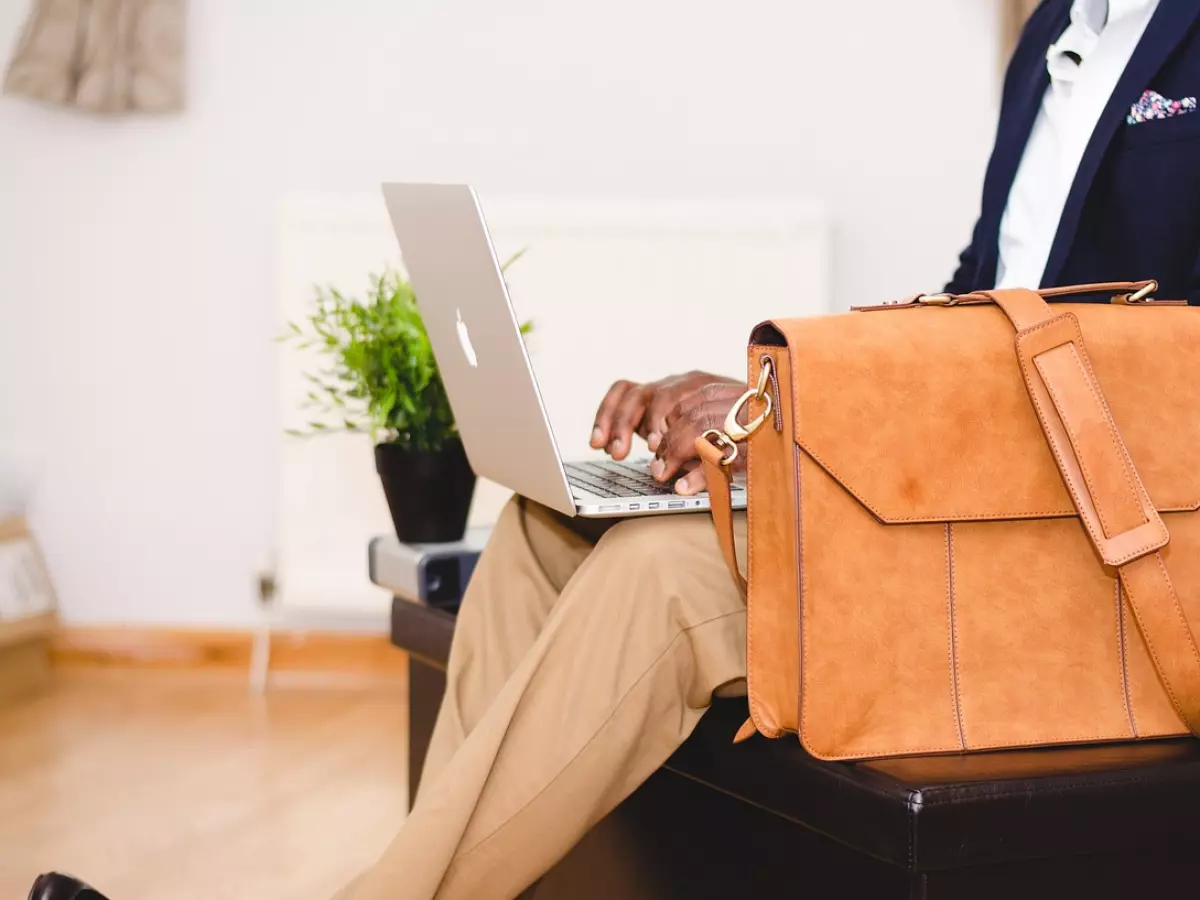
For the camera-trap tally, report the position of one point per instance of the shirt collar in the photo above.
(1095, 14)
(1089, 18)
(1091, 15)
(1076, 43)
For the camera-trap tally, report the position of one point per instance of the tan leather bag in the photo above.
(974, 522)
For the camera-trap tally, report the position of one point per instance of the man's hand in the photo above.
(643, 409)
(694, 415)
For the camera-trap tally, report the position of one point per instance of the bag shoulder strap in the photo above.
(1108, 493)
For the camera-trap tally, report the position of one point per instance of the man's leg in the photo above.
(626, 663)
(530, 557)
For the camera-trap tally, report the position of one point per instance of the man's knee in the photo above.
(675, 560)
(531, 554)
(686, 542)
(661, 540)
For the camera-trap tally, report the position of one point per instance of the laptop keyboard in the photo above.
(611, 479)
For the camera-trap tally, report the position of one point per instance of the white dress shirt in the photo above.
(1102, 35)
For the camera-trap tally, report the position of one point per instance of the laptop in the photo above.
(481, 354)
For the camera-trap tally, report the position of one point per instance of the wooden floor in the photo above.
(156, 785)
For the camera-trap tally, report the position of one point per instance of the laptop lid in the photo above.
(476, 339)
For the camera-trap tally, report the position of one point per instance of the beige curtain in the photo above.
(1015, 14)
(103, 56)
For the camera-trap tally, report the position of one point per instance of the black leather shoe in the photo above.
(54, 886)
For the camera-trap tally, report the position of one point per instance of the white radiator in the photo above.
(615, 290)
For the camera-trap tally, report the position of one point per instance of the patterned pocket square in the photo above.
(1154, 105)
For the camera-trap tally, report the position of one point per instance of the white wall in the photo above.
(138, 258)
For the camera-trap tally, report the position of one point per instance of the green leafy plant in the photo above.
(381, 376)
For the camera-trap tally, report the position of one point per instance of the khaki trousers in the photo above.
(577, 668)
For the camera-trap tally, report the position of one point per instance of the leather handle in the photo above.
(1102, 287)
(1120, 288)
(1122, 291)
(1104, 484)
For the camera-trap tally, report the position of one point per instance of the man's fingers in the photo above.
(688, 405)
(679, 443)
(701, 408)
(694, 481)
(652, 410)
(664, 397)
(625, 422)
(675, 414)
(602, 430)
(656, 423)
(675, 418)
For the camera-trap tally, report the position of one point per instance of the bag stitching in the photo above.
(1003, 745)
(1023, 358)
(1088, 480)
(798, 522)
(802, 612)
(1150, 645)
(804, 657)
(1187, 629)
(952, 635)
(804, 668)
(756, 715)
(941, 518)
(879, 515)
(1139, 489)
(1123, 649)
(781, 726)
(1114, 433)
(1087, 476)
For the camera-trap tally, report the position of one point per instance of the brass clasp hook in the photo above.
(733, 430)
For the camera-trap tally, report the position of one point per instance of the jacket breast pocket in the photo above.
(1185, 127)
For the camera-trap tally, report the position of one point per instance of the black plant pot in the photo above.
(428, 493)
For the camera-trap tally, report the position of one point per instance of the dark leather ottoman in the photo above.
(765, 820)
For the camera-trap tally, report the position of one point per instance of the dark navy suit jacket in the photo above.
(1134, 209)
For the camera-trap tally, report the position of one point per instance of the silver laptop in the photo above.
(481, 354)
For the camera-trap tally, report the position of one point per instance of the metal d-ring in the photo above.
(721, 440)
(1144, 292)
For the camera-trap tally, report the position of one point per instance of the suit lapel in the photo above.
(1168, 27)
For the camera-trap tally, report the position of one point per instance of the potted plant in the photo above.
(382, 379)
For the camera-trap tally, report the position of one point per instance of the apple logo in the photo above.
(464, 338)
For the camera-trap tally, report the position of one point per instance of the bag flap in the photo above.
(921, 413)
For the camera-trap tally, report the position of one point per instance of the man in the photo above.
(581, 662)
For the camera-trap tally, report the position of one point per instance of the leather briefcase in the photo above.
(974, 522)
